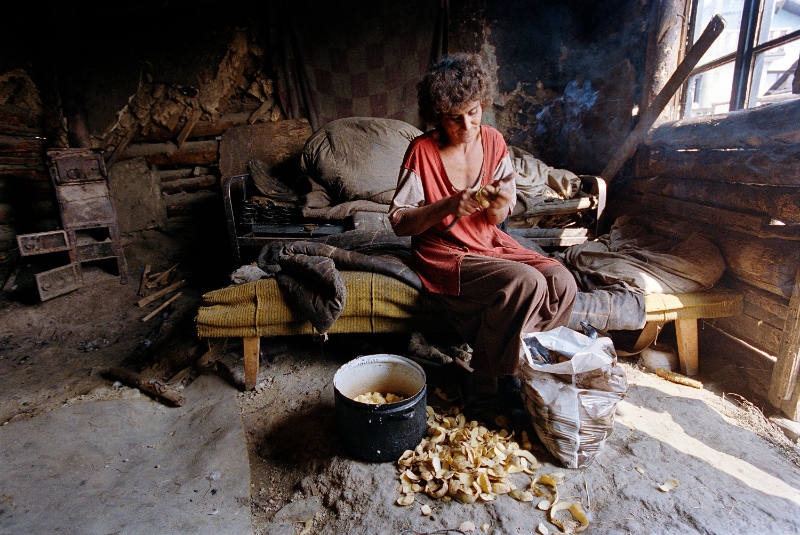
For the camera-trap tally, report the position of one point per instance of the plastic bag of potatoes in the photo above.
(571, 384)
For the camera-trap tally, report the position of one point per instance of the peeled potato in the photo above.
(378, 398)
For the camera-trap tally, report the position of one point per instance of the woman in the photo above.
(456, 185)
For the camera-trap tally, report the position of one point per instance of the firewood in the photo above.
(171, 288)
(158, 279)
(145, 273)
(154, 387)
(191, 121)
(261, 111)
(161, 307)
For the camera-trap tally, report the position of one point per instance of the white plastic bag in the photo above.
(571, 400)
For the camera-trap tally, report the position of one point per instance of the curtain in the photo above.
(354, 58)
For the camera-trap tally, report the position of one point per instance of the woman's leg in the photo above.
(561, 292)
(499, 300)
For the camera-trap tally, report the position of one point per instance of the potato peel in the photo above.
(670, 484)
(577, 512)
(405, 499)
(464, 460)
(521, 495)
(548, 481)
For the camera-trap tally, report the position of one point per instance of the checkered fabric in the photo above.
(354, 59)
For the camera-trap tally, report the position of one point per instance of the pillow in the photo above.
(358, 157)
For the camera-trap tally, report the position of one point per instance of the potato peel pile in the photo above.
(463, 460)
(377, 398)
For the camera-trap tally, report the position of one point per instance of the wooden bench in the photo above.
(380, 304)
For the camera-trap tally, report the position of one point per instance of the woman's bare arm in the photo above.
(415, 220)
(500, 195)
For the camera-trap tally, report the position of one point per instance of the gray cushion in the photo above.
(358, 157)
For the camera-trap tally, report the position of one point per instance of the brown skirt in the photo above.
(502, 299)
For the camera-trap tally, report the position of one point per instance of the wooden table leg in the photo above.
(252, 348)
(686, 334)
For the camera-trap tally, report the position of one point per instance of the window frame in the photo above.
(743, 57)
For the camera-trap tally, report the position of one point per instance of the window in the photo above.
(753, 62)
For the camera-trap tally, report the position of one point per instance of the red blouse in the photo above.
(437, 252)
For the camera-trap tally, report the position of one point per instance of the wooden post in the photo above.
(252, 349)
(664, 48)
(784, 387)
(649, 116)
(191, 121)
(686, 334)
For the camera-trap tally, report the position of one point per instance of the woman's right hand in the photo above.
(465, 203)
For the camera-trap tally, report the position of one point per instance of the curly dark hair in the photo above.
(453, 81)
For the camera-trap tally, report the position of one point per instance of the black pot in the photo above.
(383, 432)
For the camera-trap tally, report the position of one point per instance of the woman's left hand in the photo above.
(499, 195)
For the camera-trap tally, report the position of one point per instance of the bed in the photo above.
(379, 303)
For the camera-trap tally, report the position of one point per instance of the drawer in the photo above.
(42, 242)
(58, 281)
(76, 166)
(94, 250)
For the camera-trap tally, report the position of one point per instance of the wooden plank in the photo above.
(20, 162)
(150, 386)
(190, 184)
(686, 333)
(191, 153)
(252, 349)
(765, 126)
(548, 232)
(191, 122)
(31, 170)
(784, 389)
(774, 165)
(161, 307)
(150, 298)
(26, 146)
(260, 111)
(752, 224)
(179, 204)
(772, 308)
(17, 120)
(726, 356)
(778, 202)
(753, 330)
(273, 143)
(201, 129)
(768, 264)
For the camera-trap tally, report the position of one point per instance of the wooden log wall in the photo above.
(27, 201)
(186, 159)
(736, 179)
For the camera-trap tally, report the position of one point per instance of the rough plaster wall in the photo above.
(568, 72)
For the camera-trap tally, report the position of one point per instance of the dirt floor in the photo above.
(737, 473)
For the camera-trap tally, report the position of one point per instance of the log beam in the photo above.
(766, 126)
(191, 153)
(777, 165)
(784, 388)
